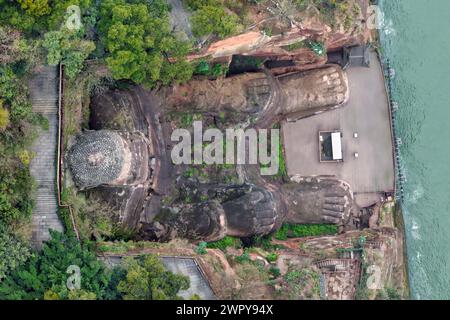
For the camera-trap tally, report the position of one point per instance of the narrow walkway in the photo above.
(44, 97)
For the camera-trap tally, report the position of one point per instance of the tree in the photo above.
(197, 4)
(13, 252)
(139, 43)
(81, 295)
(67, 47)
(4, 117)
(9, 44)
(14, 94)
(214, 20)
(146, 279)
(45, 275)
(15, 192)
(52, 43)
(35, 7)
(11, 14)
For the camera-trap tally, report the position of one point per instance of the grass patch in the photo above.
(295, 46)
(305, 230)
(227, 242)
(216, 70)
(122, 247)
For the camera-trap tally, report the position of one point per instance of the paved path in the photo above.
(44, 97)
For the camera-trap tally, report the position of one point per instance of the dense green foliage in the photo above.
(93, 218)
(35, 8)
(329, 10)
(201, 248)
(67, 47)
(215, 20)
(17, 56)
(146, 279)
(14, 93)
(17, 131)
(272, 257)
(197, 4)
(13, 252)
(38, 16)
(4, 117)
(45, 273)
(226, 242)
(139, 42)
(305, 230)
(213, 71)
(135, 37)
(15, 192)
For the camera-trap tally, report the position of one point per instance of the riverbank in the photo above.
(398, 212)
(399, 223)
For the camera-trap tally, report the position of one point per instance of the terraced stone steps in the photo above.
(44, 98)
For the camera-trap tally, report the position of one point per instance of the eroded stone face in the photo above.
(317, 89)
(210, 210)
(247, 210)
(240, 211)
(247, 94)
(317, 200)
(254, 213)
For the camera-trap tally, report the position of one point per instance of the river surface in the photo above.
(416, 39)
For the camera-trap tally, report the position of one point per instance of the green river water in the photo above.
(416, 39)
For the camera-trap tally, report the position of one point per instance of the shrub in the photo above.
(4, 117)
(146, 279)
(139, 41)
(274, 271)
(16, 186)
(201, 249)
(214, 20)
(272, 257)
(13, 252)
(67, 47)
(317, 47)
(14, 93)
(44, 275)
(35, 7)
(197, 4)
(305, 230)
(245, 257)
(225, 243)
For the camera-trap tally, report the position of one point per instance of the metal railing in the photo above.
(60, 152)
(393, 107)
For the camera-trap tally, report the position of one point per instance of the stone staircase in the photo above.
(336, 264)
(44, 98)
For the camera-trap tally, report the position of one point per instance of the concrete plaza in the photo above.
(367, 114)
